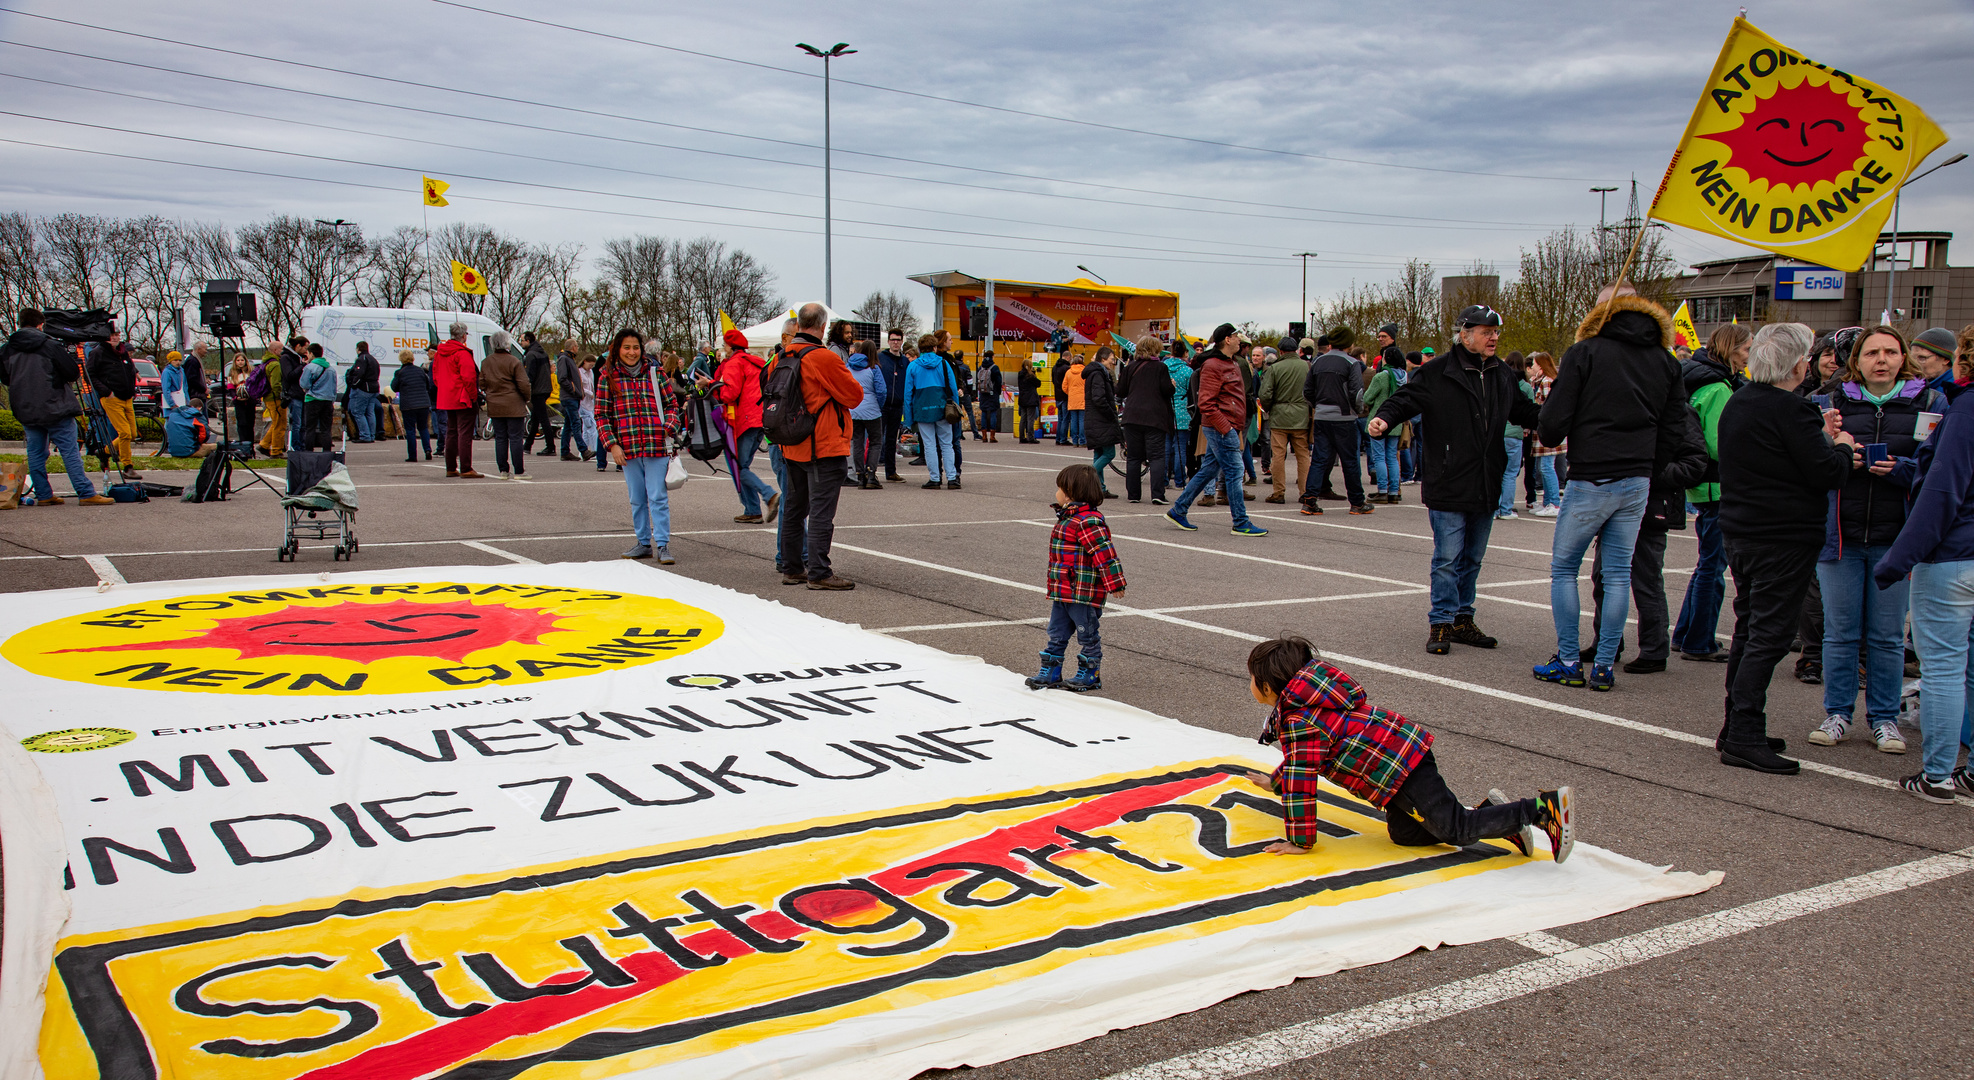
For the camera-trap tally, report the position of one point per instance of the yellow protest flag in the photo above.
(726, 323)
(435, 192)
(1683, 334)
(1793, 156)
(465, 279)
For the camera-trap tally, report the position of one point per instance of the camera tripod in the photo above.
(241, 458)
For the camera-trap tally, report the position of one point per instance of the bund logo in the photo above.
(363, 639)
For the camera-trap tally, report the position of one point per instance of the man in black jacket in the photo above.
(891, 363)
(293, 359)
(1333, 387)
(1778, 462)
(1466, 398)
(1617, 398)
(365, 382)
(40, 373)
(114, 377)
(541, 382)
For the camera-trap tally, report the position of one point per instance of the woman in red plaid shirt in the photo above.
(637, 412)
(1083, 570)
(1325, 728)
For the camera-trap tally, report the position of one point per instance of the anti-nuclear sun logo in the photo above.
(1799, 136)
(363, 639)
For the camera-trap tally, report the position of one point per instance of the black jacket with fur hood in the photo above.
(1618, 394)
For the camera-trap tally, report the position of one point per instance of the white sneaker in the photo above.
(1889, 740)
(1548, 511)
(1507, 515)
(1835, 729)
(506, 475)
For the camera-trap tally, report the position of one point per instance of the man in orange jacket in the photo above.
(817, 466)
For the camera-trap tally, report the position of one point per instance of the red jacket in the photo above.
(739, 385)
(458, 377)
(830, 392)
(1222, 394)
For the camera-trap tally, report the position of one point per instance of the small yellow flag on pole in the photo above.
(726, 323)
(435, 192)
(1684, 336)
(1793, 156)
(465, 279)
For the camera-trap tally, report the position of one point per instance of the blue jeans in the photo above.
(295, 433)
(1178, 451)
(61, 437)
(1853, 608)
(1065, 618)
(1942, 625)
(363, 410)
(752, 488)
(572, 426)
(1609, 514)
(1384, 463)
(1076, 426)
(1545, 471)
(1223, 463)
(651, 504)
(935, 440)
(1459, 543)
(1699, 616)
(1100, 457)
(1514, 447)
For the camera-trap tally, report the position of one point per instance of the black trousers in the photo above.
(894, 417)
(1769, 582)
(1335, 440)
(1648, 594)
(316, 417)
(1423, 811)
(510, 444)
(808, 506)
(1809, 629)
(539, 423)
(1062, 420)
(1143, 446)
(863, 446)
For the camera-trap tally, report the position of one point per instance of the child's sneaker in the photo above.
(1927, 789)
(1889, 739)
(1556, 671)
(1835, 729)
(1179, 519)
(1523, 840)
(1553, 816)
(1087, 677)
(1050, 675)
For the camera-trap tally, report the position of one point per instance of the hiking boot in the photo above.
(1601, 678)
(1835, 729)
(1556, 818)
(773, 508)
(1175, 517)
(1524, 839)
(1467, 632)
(570, 457)
(1759, 758)
(1889, 739)
(1642, 666)
(1917, 784)
(1440, 641)
(1363, 508)
(642, 551)
(664, 555)
(96, 500)
(1050, 674)
(747, 519)
(1559, 672)
(1087, 677)
(952, 485)
(1205, 500)
(1311, 509)
(794, 579)
(833, 583)
(1809, 671)
(893, 478)
(1274, 499)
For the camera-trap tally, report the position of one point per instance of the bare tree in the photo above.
(74, 246)
(399, 270)
(708, 279)
(23, 265)
(890, 311)
(638, 269)
(293, 264)
(520, 276)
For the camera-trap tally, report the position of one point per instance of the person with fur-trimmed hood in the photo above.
(1618, 398)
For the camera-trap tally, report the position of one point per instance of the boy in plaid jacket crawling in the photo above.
(1319, 716)
(1083, 570)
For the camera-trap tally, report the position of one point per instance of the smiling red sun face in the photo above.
(365, 632)
(1801, 135)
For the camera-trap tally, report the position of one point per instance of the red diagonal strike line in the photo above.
(461, 1039)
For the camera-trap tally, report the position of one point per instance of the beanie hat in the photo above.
(174, 355)
(1938, 340)
(1341, 337)
(1389, 329)
(735, 339)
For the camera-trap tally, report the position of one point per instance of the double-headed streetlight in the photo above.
(841, 48)
(1305, 256)
(1892, 270)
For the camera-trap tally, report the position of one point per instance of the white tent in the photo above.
(769, 333)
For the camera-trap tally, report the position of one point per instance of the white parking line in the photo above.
(1119, 610)
(1304, 1041)
(492, 550)
(106, 570)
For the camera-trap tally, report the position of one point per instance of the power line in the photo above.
(1004, 109)
(1505, 226)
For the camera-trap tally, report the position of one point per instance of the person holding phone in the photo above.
(1878, 403)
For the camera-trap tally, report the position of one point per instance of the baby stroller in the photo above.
(320, 504)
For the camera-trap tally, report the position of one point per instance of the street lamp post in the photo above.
(337, 227)
(841, 48)
(1892, 269)
(1093, 273)
(1305, 256)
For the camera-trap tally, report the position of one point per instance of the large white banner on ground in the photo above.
(603, 820)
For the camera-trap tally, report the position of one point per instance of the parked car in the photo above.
(149, 389)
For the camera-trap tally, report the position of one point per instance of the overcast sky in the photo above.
(1368, 133)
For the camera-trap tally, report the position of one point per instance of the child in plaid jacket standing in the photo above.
(1325, 728)
(1083, 570)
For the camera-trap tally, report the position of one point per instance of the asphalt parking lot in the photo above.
(1837, 945)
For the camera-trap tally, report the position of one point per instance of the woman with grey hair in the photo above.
(1778, 461)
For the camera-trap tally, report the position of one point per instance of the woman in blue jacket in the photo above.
(929, 387)
(867, 419)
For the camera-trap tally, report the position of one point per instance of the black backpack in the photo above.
(785, 416)
(215, 476)
(702, 433)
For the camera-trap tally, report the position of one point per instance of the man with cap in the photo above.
(1333, 386)
(1223, 412)
(1467, 398)
(1933, 349)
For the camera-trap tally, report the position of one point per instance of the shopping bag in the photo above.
(675, 474)
(13, 481)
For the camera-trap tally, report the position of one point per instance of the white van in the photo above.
(338, 329)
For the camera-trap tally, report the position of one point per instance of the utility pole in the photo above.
(841, 48)
(1602, 193)
(1892, 269)
(1305, 256)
